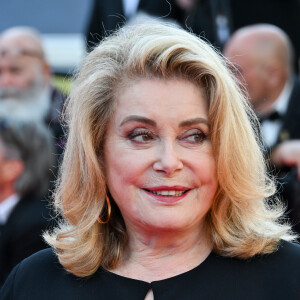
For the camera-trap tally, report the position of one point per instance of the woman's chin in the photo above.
(170, 224)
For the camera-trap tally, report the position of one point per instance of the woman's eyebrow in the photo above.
(193, 122)
(138, 119)
(150, 122)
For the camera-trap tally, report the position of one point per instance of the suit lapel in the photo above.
(291, 122)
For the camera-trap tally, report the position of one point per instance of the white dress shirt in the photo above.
(130, 7)
(270, 129)
(7, 206)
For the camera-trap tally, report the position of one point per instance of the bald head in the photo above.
(263, 55)
(23, 38)
(23, 67)
(264, 41)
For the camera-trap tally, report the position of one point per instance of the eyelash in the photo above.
(151, 136)
(140, 133)
(200, 134)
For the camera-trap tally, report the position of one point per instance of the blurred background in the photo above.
(31, 92)
(62, 25)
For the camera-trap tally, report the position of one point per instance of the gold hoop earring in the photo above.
(108, 212)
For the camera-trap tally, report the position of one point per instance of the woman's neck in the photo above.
(159, 255)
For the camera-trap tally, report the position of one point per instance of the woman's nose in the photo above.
(168, 160)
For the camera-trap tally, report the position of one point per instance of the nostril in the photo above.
(167, 167)
(168, 159)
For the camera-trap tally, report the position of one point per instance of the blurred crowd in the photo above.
(31, 141)
(260, 38)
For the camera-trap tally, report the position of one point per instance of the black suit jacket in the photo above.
(107, 16)
(282, 13)
(203, 20)
(291, 122)
(53, 119)
(289, 185)
(21, 235)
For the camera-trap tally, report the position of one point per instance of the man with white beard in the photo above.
(25, 88)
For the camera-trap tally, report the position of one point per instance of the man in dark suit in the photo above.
(26, 156)
(282, 13)
(25, 81)
(217, 19)
(211, 19)
(263, 56)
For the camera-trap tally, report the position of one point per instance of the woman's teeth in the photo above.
(168, 193)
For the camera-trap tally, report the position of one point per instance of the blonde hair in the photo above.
(242, 222)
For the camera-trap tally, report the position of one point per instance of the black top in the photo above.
(274, 276)
(21, 235)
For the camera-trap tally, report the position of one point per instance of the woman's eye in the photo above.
(141, 136)
(195, 138)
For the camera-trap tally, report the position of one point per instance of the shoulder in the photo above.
(286, 259)
(40, 260)
(33, 268)
(280, 270)
(41, 276)
(288, 250)
(31, 275)
(276, 274)
(286, 256)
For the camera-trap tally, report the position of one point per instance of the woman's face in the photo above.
(159, 163)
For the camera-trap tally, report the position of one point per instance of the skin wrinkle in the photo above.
(130, 56)
(161, 233)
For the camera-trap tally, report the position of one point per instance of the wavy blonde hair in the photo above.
(243, 221)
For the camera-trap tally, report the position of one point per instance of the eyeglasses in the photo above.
(20, 52)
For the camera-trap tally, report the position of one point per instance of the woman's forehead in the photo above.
(160, 98)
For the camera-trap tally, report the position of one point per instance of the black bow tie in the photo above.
(273, 116)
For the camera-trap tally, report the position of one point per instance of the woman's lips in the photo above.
(167, 194)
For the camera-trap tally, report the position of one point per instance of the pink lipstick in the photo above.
(167, 194)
